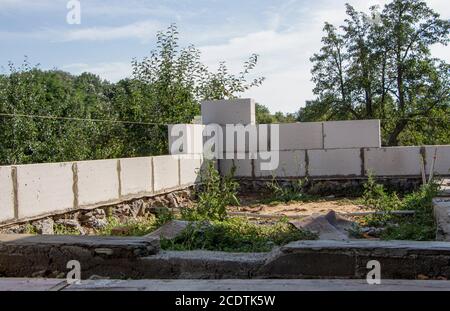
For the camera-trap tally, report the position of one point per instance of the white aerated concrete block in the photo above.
(294, 136)
(244, 167)
(165, 172)
(6, 194)
(393, 161)
(334, 162)
(189, 170)
(352, 134)
(186, 138)
(235, 111)
(290, 164)
(44, 188)
(98, 181)
(442, 162)
(136, 176)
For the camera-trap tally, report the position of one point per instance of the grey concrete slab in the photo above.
(24, 284)
(224, 285)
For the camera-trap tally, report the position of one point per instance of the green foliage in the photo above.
(61, 229)
(236, 235)
(379, 65)
(420, 226)
(263, 116)
(294, 192)
(104, 120)
(216, 194)
(131, 227)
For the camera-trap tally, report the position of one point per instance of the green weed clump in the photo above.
(236, 235)
(215, 195)
(419, 227)
(291, 193)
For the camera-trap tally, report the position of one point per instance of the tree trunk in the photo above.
(393, 137)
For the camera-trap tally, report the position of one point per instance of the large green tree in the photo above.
(379, 65)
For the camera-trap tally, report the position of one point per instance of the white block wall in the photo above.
(6, 194)
(334, 162)
(98, 181)
(235, 111)
(303, 136)
(442, 162)
(165, 173)
(44, 189)
(192, 138)
(352, 134)
(136, 176)
(393, 161)
(243, 167)
(189, 170)
(291, 164)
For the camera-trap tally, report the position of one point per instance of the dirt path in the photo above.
(252, 204)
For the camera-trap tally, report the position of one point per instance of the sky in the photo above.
(284, 33)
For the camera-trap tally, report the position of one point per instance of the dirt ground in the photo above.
(252, 203)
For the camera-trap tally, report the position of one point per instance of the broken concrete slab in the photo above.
(328, 226)
(170, 229)
(48, 255)
(441, 208)
(348, 259)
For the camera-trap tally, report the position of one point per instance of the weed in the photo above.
(216, 194)
(236, 235)
(420, 226)
(131, 227)
(292, 193)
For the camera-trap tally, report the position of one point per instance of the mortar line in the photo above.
(15, 192)
(119, 170)
(75, 184)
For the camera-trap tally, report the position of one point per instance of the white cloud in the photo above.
(113, 71)
(284, 55)
(143, 30)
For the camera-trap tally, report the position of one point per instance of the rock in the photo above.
(121, 230)
(71, 223)
(136, 208)
(44, 226)
(328, 227)
(95, 223)
(173, 200)
(170, 230)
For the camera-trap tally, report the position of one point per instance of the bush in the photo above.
(236, 235)
(420, 226)
(294, 192)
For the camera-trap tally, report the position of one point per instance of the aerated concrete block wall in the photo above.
(37, 190)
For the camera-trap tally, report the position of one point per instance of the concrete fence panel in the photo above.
(136, 176)
(6, 194)
(235, 111)
(442, 162)
(393, 161)
(291, 164)
(306, 135)
(166, 172)
(44, 188)
(352, 134)
(189, 170)
(98, 181)
(334, 162)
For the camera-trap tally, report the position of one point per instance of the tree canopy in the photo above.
(379, 65)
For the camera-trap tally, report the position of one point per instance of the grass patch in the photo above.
(293, 192)
(236, 235)
(418, 227)
(130, 227)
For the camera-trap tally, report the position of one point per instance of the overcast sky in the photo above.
(284, 33)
